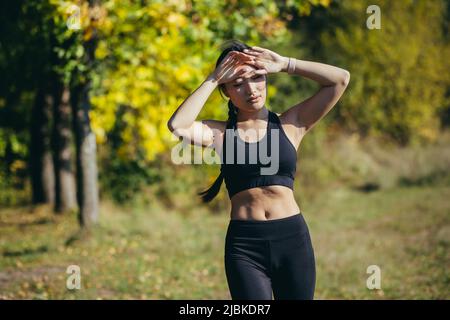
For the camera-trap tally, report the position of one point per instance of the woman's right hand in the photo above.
(226, 70)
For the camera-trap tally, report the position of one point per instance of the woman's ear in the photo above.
(224, 89)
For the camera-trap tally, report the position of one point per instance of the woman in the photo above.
(268, 248)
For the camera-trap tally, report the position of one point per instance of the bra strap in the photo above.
(275, 117)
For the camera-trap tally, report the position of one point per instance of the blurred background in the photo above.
(86, 176)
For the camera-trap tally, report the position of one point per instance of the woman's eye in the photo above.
(254, 78)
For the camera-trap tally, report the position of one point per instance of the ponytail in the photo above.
(214, 189)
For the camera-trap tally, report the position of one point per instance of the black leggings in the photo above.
(261, 256)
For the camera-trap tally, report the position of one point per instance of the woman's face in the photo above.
(241, 90)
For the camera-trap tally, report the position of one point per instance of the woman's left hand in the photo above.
(266, 59)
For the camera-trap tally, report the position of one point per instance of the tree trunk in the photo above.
(65, 197)
(40, 160)
(86, 146)
(86, 159)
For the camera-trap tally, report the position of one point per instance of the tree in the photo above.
(141, 58)
(62, 154)
(78, 47)
(40, 160)
(85, 141)
(398, 86)
(152, 55)
(26, 81)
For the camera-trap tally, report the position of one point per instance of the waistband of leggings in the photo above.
(267, 229)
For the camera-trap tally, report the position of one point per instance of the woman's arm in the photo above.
(333, 81)
(182, 123)
(188, 111)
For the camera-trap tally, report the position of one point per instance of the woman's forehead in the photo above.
(245, 67)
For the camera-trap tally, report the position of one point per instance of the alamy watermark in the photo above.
(374, 280)
(374, 20)
(74, 20)
(73, 281)
(234, 149)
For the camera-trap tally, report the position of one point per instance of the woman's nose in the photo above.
(250, 87)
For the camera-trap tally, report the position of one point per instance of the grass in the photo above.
(387, 208)
(151, 253)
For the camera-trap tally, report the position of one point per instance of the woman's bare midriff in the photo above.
(264, 203)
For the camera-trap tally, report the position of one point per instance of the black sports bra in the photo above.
(246, 165)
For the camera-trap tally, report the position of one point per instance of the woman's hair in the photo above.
(232, 45)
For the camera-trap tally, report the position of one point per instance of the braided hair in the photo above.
(213, 190)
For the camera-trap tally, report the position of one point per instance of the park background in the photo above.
(86, 176)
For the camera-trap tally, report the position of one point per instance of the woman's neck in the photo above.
(262, 114)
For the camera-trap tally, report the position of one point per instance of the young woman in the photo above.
(268, 248)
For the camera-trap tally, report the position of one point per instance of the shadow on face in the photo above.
(240, 90)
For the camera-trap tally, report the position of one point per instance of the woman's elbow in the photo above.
(345, 78)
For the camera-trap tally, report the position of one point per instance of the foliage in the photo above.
(398, 84)
(154, 55)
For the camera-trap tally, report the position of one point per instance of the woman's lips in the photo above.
(254, 99)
